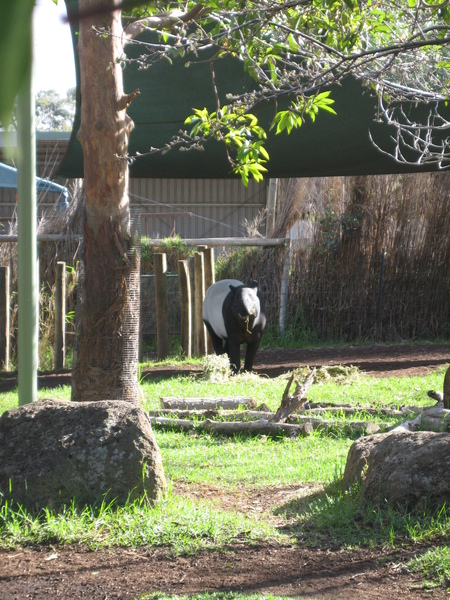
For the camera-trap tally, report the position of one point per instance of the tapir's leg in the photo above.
(217, 342)
(234, 354)
(252, 348)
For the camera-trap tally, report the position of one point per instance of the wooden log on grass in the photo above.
(434, 418)
(262, 427)
(177, 424)
(358, 427)
(207, 403)
(238, 422)
(348, 409)
(223, 415)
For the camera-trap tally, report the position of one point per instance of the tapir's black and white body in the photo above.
(234, 313)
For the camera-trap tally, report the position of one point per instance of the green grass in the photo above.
(324, 516)
(333, 517)
(179, 524)
(254, 461)
(392, 392)
(433, 566)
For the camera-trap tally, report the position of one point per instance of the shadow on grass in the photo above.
(335, 518)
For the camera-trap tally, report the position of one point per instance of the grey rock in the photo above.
(53, 451)
(401, 467)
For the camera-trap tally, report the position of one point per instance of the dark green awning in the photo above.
(333, 145)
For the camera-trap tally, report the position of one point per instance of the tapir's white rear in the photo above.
(212, 305)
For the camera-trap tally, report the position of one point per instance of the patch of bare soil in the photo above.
(74, 572)
(377, 360)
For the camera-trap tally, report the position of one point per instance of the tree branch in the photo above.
(162, 21)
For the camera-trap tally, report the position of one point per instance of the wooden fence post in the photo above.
(4, 318)
(284, 295)
(208, 258)
(272, 193)
(199, 276)
(162, 312)
(191, 275)
(185, 305)
(60, 315)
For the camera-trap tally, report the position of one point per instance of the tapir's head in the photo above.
(246, 306)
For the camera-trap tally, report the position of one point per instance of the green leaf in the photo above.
(15, 52)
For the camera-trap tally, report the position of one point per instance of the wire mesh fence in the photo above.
(148, 305)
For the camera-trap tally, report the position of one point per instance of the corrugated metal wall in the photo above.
(196, 208)
(191, 208)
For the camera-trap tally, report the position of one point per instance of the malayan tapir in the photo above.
(234, 314)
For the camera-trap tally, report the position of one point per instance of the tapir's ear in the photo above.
(254, 284)
(233, 288)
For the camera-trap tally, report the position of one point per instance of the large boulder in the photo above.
(401, 467)
(54, 451)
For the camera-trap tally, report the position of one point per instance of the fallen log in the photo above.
(254, 415)
(298, 425)
(262, 427)
(318, 407)
(347, 410)
(168, 423)
(361, 427)
(223, 415)
(435, 418)
(207, 403)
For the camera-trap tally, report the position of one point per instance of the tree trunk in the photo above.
(106, 349)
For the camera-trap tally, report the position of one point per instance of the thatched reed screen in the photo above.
(338, 288)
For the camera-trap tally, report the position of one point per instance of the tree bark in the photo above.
(290, 404)
(106, 353)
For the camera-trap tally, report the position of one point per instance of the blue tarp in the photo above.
(8, 179)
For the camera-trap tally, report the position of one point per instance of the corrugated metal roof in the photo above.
(8, 179)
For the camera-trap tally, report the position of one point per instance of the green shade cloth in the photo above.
(333, 145)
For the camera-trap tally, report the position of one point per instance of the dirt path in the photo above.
(76, 573)
(377, 361)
